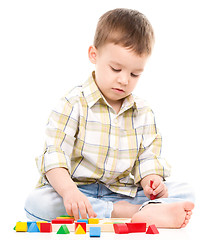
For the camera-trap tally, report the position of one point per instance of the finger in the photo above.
(162, 194)
(159, 189)
(90, 211)
(82, 209)
(69, 210)
(148, 190)
(156, 182)
(75, 211)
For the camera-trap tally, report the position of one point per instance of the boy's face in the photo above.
(117, 71)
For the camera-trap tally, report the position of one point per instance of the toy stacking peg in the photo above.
(152, 197)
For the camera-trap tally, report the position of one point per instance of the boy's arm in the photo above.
(149, 165)
(74, 200)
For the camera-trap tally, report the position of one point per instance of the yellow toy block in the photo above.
(79, 230)
(21, 227)
(38, 223)
(93, 221)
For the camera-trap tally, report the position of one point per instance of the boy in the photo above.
(102, 145)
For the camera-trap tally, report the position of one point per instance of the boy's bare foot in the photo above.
(123, 209)
(165, 215)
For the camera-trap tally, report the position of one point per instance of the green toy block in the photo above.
(63, 230)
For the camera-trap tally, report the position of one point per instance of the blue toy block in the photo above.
(95, 231)
(33, 227)
(83, 220)
(29, 224)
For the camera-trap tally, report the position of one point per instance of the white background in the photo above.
(43, 54)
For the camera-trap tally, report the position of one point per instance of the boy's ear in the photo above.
(92, 53)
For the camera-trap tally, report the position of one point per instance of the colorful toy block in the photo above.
(93, 221)
(39, 222)
(55, 227)
(120, 228)
(62, 221)
(80, 230)
(65, 217)
(136, 227)
(152, 230)
(152, 197)
(33, 227)
(45, 227)
(83, 220)
(83, 225)
(21, 227)
(63, 230)
(95, 231)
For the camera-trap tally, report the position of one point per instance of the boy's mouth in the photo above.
(119, 90)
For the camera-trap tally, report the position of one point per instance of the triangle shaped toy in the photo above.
(152, 230)
(33, 227)
(79, 230)
(63, 230)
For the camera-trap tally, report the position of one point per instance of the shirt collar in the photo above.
(92, 95)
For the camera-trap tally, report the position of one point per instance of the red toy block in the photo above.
(62, 221)
(45, 227)
(152, 230)
(120, 228)
(83, 224)
(152, 197)
(136, 227)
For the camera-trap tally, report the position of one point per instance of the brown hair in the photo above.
(125, 27)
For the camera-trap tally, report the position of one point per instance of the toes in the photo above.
(185, 223)
(189, 213)
(188, 206)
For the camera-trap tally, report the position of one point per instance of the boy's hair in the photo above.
(125, 27)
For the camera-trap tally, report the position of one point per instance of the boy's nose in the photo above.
(123, 80)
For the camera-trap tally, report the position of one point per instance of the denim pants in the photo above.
(46, 204)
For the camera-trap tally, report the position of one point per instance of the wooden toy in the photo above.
(63, 230)
(39, 222)
(62, 221)
(93, 221)
(79, 230)
(152, 230)
(152, 197)
(95, 231)
(83, 220)
(83, 225)
(120, 228)
(33, 227)
(106, 224)
(136, 227)
(21, 227)
(45, 227)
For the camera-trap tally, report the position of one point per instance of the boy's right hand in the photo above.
(75, 201)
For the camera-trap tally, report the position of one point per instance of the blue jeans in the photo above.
(46, 204)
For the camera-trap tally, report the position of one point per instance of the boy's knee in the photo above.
(44, 204)
(181, 190)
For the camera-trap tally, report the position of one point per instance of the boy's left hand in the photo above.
(158, 188)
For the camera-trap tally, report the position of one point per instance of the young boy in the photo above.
(102, 144)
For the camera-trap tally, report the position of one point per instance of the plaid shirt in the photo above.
(86, 136)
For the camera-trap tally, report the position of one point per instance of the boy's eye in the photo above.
(115, 70)
(134, 75)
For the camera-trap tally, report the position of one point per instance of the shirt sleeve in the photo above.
(60, 136)
(149, 160)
